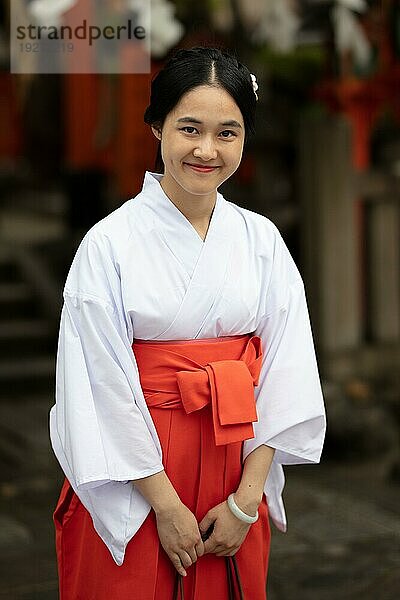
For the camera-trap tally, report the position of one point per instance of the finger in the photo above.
(210, 545)
(176, 561)
(221, 549)
(185, 558)
(192, 553)
(207, 521)
(199, 548)
(226, 552)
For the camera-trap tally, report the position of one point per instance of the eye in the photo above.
(187, 127)
(228, 131)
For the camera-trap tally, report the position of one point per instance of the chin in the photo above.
(199, 190)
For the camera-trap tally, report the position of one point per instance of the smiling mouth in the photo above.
(201, 168)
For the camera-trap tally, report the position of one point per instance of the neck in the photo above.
(196, 208)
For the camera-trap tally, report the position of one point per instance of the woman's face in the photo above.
(206, 129)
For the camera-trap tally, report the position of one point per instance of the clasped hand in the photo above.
(228, 531)
(180, 534)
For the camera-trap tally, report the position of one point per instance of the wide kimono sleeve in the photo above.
(101, 431)
(290, 407)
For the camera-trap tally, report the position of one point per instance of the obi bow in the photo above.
(229, 385)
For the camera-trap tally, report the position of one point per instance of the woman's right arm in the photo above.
(95, 415)
(177, 526)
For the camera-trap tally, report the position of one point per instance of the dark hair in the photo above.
(192, 67)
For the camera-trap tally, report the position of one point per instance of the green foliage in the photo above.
(298, 69)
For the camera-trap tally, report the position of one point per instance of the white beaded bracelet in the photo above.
(239, 513)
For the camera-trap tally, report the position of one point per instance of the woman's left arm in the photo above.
(229, 532)
(255, 471)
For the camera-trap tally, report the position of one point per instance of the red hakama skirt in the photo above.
(200, 394)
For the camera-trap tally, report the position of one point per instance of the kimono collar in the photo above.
(165, 208)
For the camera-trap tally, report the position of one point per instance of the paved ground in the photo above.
(343, 540)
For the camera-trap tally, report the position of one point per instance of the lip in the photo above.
(201, 168)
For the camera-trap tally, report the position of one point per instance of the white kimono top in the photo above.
(144, 272)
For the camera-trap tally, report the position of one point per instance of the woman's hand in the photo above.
(228, 533)
(180, 536)
(177, 526)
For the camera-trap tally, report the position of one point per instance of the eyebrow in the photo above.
(231, 123)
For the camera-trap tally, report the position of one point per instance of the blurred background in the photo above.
(324, 166)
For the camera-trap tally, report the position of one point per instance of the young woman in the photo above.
(186, 372)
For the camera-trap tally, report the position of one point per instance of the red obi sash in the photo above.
(192, 374)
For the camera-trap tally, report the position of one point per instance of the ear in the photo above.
(157, 132)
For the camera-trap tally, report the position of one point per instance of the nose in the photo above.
(205, 149)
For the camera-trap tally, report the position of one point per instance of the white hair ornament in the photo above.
(255, 84)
